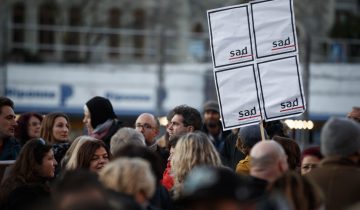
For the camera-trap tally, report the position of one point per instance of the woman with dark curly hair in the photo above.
(27, 183)
(29, 125)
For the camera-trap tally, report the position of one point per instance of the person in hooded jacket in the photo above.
(100, 119)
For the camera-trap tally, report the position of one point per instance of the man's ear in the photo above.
(190, 128)
(283, 165)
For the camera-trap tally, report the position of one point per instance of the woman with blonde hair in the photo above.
(69, 161)
(193, 149)
(132, 176)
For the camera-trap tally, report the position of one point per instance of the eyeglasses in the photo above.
(144, 126)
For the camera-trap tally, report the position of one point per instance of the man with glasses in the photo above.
(149, 126)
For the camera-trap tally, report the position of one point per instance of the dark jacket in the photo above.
(219, 140)
(339, 180)
(10, 149)
(59, 153)
(26, 197)
(230, 155)
(162, 198)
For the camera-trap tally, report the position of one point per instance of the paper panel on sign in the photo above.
(281, 88)
(274, 28)
(238, 97)
(230, 36)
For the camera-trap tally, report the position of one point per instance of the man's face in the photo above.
(211, 117)
(7, 122)
(146, 124)
(176, 126)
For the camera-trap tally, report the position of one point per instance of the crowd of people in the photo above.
(194, 165)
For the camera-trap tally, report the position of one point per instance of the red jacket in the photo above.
(167, 180)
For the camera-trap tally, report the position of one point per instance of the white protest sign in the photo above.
(274, 29)
(255, 58)
(280, 78)
(234, 114)
(230, 35)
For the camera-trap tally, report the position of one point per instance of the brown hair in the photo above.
(21, 131)
(26, 167)
(300, 191)
(87, 150)
(292, 150)
(48, 124)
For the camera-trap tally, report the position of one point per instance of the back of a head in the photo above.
(192, 150)
(267, 147)
(126, 136)
(192, 116)
(137, 151)
(129, 176)
(77, 189)
(250, 135)
(340, 137)
(292, 151)
(275, 128)
(208, 185)
(299, 190)
(100, 109)
(267, 160)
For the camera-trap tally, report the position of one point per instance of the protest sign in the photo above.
(256, 62)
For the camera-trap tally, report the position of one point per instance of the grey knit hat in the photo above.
(250, 135)
(340, 136)
(211, 106)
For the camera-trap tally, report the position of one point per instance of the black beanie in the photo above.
(101, 110)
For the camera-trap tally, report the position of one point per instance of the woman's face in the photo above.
(34, 125)
(308, 163)
(87, 121)
(61, 129)
(48, 164)
(99, 159)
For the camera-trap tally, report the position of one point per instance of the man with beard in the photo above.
(9, 147)
(212, 125)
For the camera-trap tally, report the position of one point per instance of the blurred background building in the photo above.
(151, 55)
